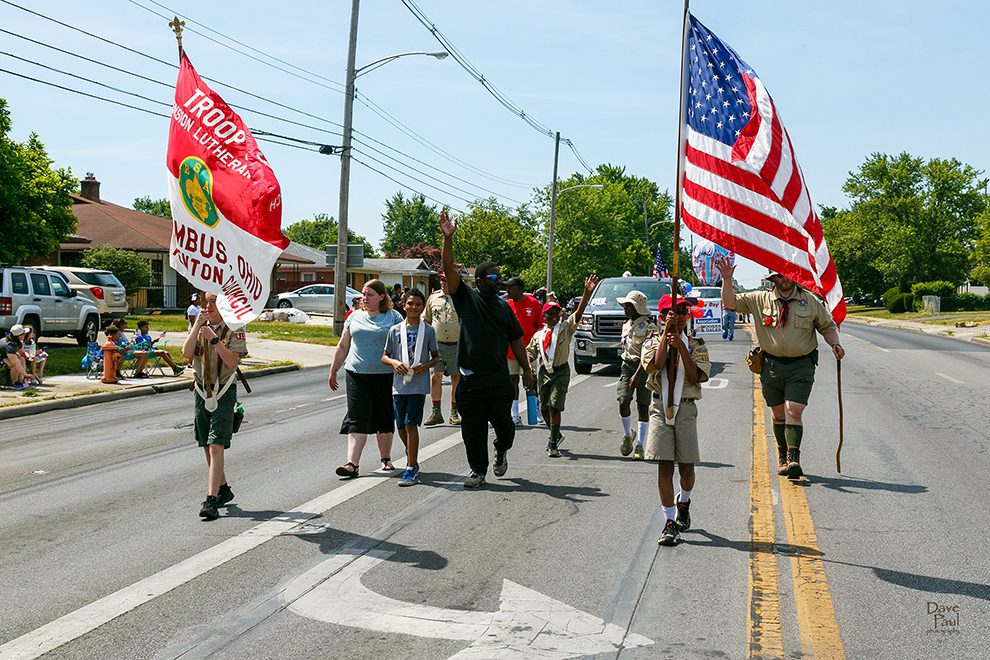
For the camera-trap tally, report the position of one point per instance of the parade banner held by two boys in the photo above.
(226, 202)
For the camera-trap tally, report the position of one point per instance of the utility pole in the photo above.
(553, 212)
(646, 222)
(340, 268)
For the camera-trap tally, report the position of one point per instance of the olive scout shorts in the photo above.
(217, 427)
(678, 443)
(552, 387)
(787, 381)
(642, 394)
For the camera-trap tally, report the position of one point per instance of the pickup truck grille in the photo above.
(609, 326)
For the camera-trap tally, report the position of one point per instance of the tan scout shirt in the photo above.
(562, 351)
(205, 359)
(797, 336)
(699, 355)
(441, 315)
(634, 333)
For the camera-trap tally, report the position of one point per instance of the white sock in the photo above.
(515, 408)
(627, 425)
(670, 512)
(644, 430)
(683, 496)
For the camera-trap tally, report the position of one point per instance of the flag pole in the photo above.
(675, 257)
(177, 26)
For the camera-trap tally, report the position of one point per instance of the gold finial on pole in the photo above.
(177, 26)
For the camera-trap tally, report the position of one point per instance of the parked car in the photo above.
(596, 340)
(101, 286)
(44, 301)
(314, 298)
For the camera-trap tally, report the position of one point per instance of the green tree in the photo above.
(132, 271)
(322, 231)
(160, 207)
(981, 251)
(409, 222)
(35, 207)
(920, 217)
(491, 231)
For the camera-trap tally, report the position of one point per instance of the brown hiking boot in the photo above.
(782, 460)
(455, 419)
(794, 463)
(435, 418)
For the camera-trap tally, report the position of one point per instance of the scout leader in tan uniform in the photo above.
(440, 314)
(549, 353)
(675, 440)
(632, 377)
(215, 351)
(785, 320)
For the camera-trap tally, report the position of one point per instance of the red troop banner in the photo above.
(226, 202)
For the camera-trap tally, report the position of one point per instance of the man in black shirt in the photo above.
(488, 330)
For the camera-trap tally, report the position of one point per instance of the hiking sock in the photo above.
(778, 434)
(627, 425)
(683, 496)
(644, 429)
(669, 512)
(436, 407)
(515, 408)
(793, 433)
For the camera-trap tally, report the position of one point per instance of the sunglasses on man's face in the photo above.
(494, 277)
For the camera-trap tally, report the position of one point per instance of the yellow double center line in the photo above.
(818, 626)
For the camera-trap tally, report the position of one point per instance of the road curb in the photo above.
(23, 410)
(897, 325)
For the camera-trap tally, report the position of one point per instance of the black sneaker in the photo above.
(670, 536)
(501, 463)
(683, 517)
(225, 495)
(474, 480)
(552, 450)
(209, 510)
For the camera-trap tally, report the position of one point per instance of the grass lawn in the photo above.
(948, 318)
(167, 322)
(301, 332)
(66, 359)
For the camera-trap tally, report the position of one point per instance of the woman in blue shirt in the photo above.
(369, 382)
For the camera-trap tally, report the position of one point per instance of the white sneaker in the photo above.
(517, 420)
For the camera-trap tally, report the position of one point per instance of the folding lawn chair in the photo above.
(92, 362)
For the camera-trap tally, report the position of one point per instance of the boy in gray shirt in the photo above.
(411, 349)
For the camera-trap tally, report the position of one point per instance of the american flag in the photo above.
(659, 265)
(743, 188)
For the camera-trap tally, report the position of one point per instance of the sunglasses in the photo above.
(494, 277)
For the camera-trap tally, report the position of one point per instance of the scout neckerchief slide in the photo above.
(212, 395)
(411, 362)
(678, 388)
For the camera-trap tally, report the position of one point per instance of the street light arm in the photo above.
(596, 186)
(440, 54)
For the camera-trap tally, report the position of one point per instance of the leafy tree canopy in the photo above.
(35, 207)
(160, 207)
(981, 251)
(492, 231)
(409, 222)
(132, 271)
(322, 231)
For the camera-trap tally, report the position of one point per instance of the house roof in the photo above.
(105, 223)
(397, 265)
(318, 257)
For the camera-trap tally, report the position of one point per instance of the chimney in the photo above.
(90, 188)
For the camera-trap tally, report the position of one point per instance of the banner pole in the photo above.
(675, 257)
(176, 24)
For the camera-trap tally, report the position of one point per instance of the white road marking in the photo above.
(949, 378)
(611, 384)
(881, 348)
(527, 623)
(334, 398)
(90, 617)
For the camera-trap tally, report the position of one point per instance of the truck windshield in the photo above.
(608, 293)
(706, 292)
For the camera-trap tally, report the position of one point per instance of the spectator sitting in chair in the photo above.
(35, 356)
(114, 334)
(10, 348)
(144, 342)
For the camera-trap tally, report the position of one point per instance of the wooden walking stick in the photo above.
(838, 381)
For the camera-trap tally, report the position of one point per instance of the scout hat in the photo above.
(551, 305)
(638, 300)
(17, 330)
(772, 274)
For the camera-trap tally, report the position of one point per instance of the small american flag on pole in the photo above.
(659, 265)
(743, 188)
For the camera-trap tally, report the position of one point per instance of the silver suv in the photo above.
(102, 288)
(44, 301)
(600, 328)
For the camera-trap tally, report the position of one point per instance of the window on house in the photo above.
(309, 277)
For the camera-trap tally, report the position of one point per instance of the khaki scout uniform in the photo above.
(790, 347)
(440, 313)
(215, 387)
(679, 442)
(553, 376)
(634, 333)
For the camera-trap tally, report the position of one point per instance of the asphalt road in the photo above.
(102, 553)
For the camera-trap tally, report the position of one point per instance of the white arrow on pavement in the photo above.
(527, 624)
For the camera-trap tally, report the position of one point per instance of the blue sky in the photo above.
(849, 79)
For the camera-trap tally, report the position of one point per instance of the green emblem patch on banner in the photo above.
(196, 187)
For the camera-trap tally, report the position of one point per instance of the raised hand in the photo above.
(590, 283)
(725, 269)
(447, 226)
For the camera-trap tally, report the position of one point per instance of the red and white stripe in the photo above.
(752, 199)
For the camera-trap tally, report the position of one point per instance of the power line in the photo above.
(475, 73)
(428, 176)
(396, 181)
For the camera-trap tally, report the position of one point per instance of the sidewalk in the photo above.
(72, 390)
(963, 334)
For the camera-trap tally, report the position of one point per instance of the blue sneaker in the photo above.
(20, 387)
(410, 477)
